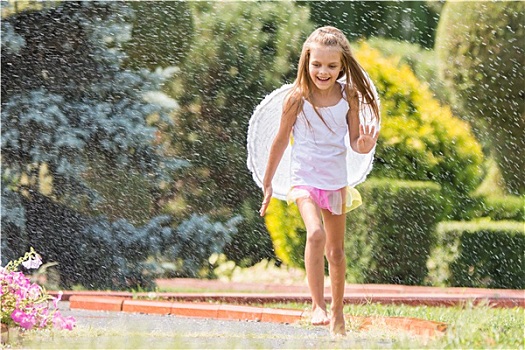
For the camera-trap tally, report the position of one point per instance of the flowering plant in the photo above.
(26, 304)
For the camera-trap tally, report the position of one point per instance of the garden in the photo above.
(124, 150)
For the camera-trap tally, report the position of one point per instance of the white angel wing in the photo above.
(262, 129)
(263, 126)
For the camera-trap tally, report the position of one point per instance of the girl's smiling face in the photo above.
(324, 66)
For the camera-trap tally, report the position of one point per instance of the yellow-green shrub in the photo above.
(286, 227)
(420, 139)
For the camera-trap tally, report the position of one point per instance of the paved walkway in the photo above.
(121, 330)
(114, 320)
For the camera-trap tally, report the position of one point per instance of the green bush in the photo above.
(390, 237)
(500, 208)
(488, 254)
(480, 50)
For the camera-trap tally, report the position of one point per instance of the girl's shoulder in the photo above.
(293, 104)
(294, 97)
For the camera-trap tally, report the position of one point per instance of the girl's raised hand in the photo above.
(367, 138)
(268, 191)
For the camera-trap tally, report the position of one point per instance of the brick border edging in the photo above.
(414, 299)
(243, 313)
(205, 310)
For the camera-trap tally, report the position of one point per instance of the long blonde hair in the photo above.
(357, 83)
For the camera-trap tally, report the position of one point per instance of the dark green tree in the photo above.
(240, 52)
(481, 52)
(412, 21)
(161, 33)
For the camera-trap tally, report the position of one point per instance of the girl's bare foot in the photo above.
(320, 317)
(337, 325)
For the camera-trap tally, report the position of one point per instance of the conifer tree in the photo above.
(68, 104)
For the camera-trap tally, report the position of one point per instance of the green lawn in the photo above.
(469, 326)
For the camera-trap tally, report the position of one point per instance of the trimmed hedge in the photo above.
(493, 207)
(487, 254)
(504, 208)
(390, 237)
(380, 234)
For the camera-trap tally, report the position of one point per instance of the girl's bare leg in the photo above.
(335, 231)
(314, 258)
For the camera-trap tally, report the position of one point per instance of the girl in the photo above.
(319, 112)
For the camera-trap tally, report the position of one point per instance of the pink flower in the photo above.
(44, 318)
(34, 291)
(26, 304)
(62, 322)
(17, 315)
(57, 299)
(24, 320)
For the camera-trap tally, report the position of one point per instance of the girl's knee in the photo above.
(316, 236)
(335, 256)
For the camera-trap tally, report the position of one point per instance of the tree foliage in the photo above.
(161, 34)
(422, 61)
(66, 100)
(411, 21)
(481, 53)
(241, 51)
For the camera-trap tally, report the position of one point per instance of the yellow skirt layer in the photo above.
(327, 199)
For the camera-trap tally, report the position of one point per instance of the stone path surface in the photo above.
(121, 330)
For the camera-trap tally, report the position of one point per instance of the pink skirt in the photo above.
(327, 199)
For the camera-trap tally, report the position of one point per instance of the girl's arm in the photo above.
(279, 145)
(362, 138)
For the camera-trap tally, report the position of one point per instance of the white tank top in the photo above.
(319, 150)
